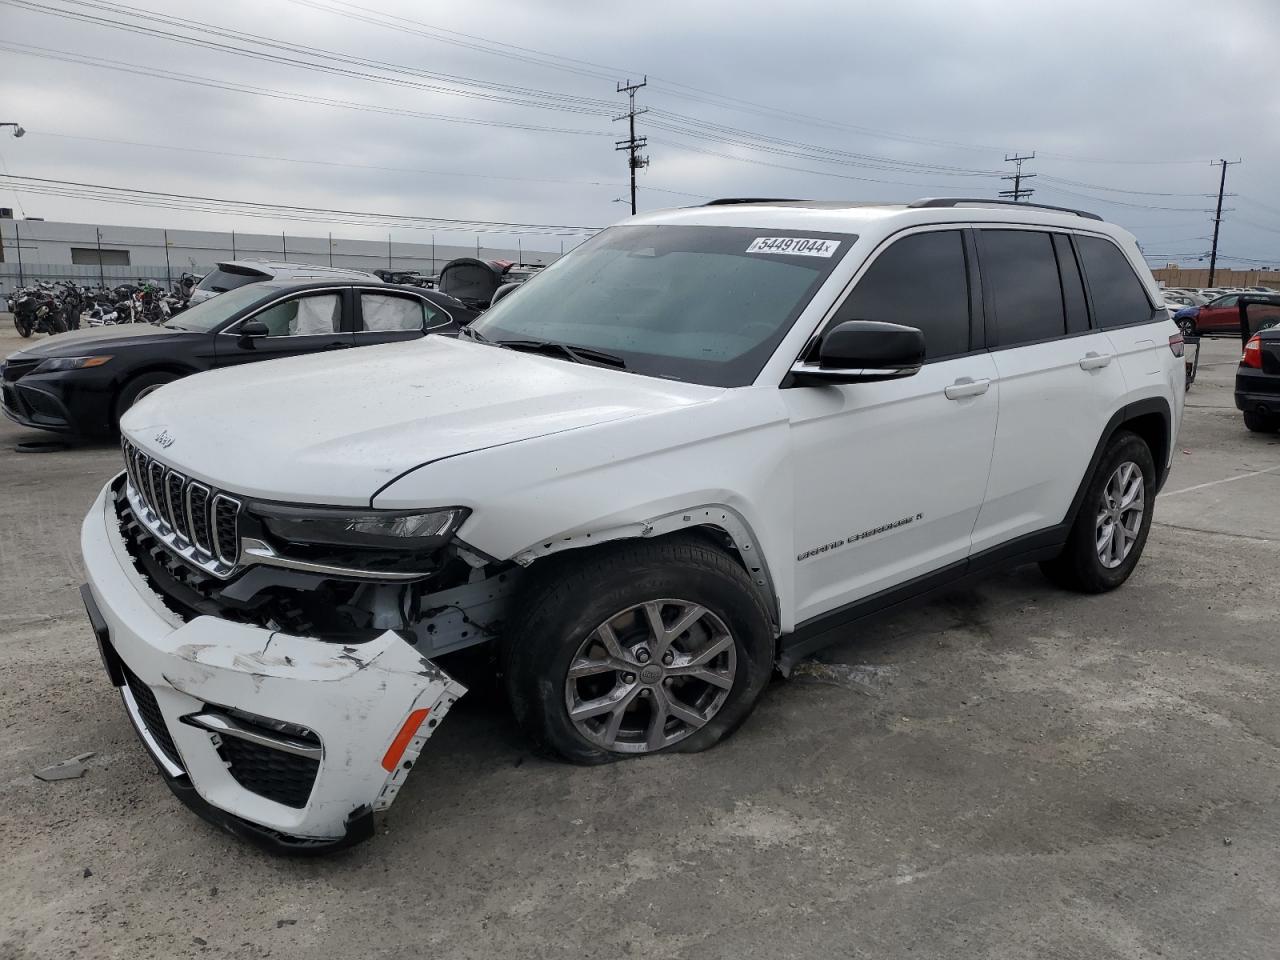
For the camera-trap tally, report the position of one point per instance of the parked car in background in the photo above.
(82, 382)
(474, 282)
(1222, 315)
(234, 274)
(1175, 300)
(1258, 381)
(411, 278)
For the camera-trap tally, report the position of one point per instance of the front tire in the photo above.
(23, 326)
(1187, 326)
(635, 648)
(1111, 528)
(139, 387)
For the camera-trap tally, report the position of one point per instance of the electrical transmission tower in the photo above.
(633, 144)
(1217, 217)
(1019, 191)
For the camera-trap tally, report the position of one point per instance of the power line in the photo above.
(354, 166)
(486, 90)
(134, 194)
(157, 73)
(633, 144)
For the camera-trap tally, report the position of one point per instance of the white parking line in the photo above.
(1214, 483)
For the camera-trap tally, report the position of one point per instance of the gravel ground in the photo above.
(1011, 771)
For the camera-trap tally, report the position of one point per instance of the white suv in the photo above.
(698, 448)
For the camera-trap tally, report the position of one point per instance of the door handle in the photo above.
(1094, 361)
(966, 387)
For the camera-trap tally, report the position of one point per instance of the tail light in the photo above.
(1177, 345)
(1252, 353)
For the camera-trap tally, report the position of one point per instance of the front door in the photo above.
(889, 477)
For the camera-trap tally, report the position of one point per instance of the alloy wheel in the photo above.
(1120, 514)
(650, 675)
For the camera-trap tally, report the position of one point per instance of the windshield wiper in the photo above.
(475, 335)
(567, 350)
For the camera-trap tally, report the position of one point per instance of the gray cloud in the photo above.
(1080, 82)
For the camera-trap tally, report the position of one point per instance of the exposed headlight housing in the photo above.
(380, 530)
(56, 364)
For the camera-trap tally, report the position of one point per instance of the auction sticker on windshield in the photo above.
(794, 246)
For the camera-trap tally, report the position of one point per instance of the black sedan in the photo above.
(1258, 381)
(82, 382)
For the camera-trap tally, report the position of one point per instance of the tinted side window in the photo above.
(1118, 295)
(1072, 286)
(919, 281)
(1021, 274)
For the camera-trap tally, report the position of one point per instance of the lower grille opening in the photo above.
(151, 715)
(283, 777)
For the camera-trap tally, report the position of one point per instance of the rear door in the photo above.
(888, 477)
(1059, 381)
(307, 322)
(385, 316)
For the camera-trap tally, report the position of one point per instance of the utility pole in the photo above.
(102, 281)
(168, 271)
(1217, 217)
(633, 144)
(1018, 191)
(331, 248)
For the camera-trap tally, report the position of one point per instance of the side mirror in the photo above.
(253, 329)
(862, 351)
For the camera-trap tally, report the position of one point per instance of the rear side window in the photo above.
(220, 281)
(390, 313)
(919, 281)
(1021, 274)
(1119, 298)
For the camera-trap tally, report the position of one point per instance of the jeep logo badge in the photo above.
(164, 439)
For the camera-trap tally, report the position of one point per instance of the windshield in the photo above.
(209, 315)
(703, 304)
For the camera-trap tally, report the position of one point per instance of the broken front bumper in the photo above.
(288, 741)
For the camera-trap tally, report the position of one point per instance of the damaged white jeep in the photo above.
(694, 450)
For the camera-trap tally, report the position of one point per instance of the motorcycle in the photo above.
(37, 310)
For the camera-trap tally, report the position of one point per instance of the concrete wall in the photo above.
(46, 251)
(1179, 277)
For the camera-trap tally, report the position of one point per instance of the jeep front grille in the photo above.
(199, 524)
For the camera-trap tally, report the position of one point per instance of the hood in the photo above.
(79, 343)
(337, 427)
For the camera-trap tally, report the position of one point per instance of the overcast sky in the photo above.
(848, 100)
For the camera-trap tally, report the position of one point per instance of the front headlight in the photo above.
(408, 530)
(55, 364)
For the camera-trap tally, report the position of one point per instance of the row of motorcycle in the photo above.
(47, 307)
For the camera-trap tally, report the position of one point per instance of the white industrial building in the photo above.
(89, 253)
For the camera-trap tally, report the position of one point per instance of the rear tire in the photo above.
(1259, 422)
(1095, 560)
(139, 387)
(580, 616)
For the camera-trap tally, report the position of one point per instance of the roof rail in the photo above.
(726, 201)
(956, 201)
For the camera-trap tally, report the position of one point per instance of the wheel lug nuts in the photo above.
(668, 658)
(642, 655)
(628, 678)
